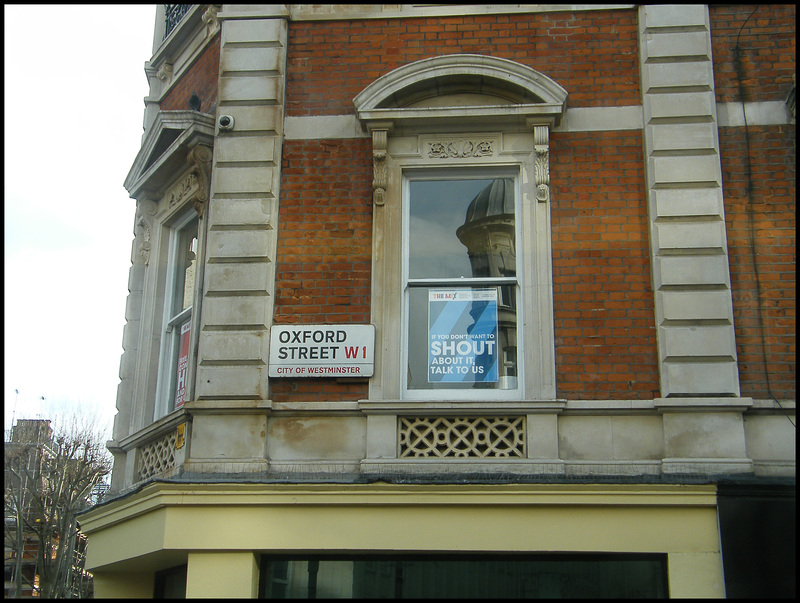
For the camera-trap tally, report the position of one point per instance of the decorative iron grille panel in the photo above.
(461, 437)
(174, 13)
(157, 456)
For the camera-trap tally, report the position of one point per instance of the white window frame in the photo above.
(453, 172)
(512, 152)
(170, 323)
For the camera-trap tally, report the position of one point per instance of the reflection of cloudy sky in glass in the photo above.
(438, 208)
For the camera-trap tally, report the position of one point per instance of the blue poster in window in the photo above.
(462, 336)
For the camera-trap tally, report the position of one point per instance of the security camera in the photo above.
(225, 122)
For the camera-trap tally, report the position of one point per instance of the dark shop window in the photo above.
(170, 584)
(758, 532)
(464, 576)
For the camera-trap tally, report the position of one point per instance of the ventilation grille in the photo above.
(157, 456)
(461, 437)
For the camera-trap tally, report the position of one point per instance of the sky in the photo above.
(74, 90)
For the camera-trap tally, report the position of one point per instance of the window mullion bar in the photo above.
(469, 282)
(179, 318)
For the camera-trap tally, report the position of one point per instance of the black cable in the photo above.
(737, 61)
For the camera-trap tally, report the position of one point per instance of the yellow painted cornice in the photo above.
(158, 495)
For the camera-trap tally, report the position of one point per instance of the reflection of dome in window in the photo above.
(496, 199)
(488, 230)
(488, 234)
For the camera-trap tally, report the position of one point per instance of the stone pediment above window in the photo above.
(460, 90)
(166, 151)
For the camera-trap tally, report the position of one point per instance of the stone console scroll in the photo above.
(380, 174)
(541, 146)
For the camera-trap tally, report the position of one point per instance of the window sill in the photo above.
(153, 431)
(393, 407)
(212, 407)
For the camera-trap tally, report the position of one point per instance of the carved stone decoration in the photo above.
(380, 172)
(210, 19)
(460, 148)
(195, 186)
(165, 72)
(181, 191)
(201, 156)
(541, 146)
(145, 210)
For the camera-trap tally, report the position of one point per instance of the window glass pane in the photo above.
(178, 314)
(461, 228)
(277, 579)
(170, 584)
(186, 260)
(462, 338)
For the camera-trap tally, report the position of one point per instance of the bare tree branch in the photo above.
(49, 480)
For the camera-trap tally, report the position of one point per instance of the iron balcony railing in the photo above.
(174, 13)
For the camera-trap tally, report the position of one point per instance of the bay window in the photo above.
(170, 180)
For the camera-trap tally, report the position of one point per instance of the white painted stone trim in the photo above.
(242, 212)
(491, 68)
(327, 126)
(598, 119)
(194, 128)
(577, 119)
(768, 113)
(694, 316)
(536, 278)
(322, 12)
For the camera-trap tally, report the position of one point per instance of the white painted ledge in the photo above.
(579, 119)
(770, 113)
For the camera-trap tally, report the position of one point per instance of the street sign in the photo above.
(321, 351)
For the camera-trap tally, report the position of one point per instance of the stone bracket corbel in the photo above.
(164, 72)
(145, 210)
(380, 179)
(211, 20)
(200, 158)
(541, 147)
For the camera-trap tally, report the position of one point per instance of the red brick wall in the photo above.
(604, 324)
(605, 334)
(765, 218)
(767, 44)
(324, 254)
(602, 295)
(760, 221)
(201, 79)
(593, 54)
(603, 302)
